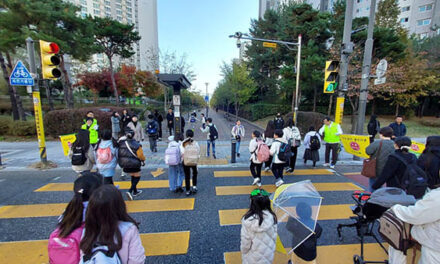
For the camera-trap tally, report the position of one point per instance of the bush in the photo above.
(306, 119)
(4, 125)
(262, 110)
(17, 128)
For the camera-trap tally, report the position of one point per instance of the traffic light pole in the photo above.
(37, 101)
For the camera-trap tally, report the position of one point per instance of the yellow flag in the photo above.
(355, 144)
(66, 141)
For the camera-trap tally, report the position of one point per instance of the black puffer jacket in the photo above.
(125, 158)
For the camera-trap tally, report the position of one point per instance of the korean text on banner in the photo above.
(66, 142)
(355, 144)
(417, 148)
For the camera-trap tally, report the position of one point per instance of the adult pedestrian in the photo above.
(159, 119)
(429, 161)
(173, 158)
(91, 125)
(238, 133)
(330, 131)
(258, 230)
(152, 130)
(380, 150)
(116, 126)
(107, 156)
(398, 127)
(277, 165)
(126, 118)
(136, 126)
(130, 159)
(279, 121)
(268, 136)
(190, 151)
(293, 137)
(312, 144)
(170, 121)
(212, 136)
(373, 127)
(81, 152)
(108, 223)
(203, 118)
(256, 165)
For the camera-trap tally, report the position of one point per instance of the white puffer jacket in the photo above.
(258, 241)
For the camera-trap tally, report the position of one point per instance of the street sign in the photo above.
(269, 45)
(206, 98)
(381, 68)
(20, 76)
(380, 80)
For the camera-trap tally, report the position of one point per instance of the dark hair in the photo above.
(203, 114)
(256, 133)
(403, 142)
(279, 133)
(105, 210)
(106, 134)
(89, 118)
(386, 131)
(134, 116)
(82, 140)
(170, 108)
(304, 210)
(432, 142)
(150, 116)
(209, 120)
(125, 110)
(311, 128)
(258, 204)
(88, 112)
(178, 137)
(270, 129)
(156, 111)
(327, 118)
(114, 113)
(189, 133)
(397, 116)
(83, 187)
(290, 123)
(373, 118)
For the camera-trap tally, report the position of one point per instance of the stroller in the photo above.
(369, 207)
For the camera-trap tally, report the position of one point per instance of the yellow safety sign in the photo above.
(417, 148)
(355, 144)
(269, 45)
(39, 125)
(66, 142)
(339, 113)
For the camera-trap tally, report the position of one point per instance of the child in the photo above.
(107, 156)
(293, 136)
(131, 158)
(190, 151)
(268, 139)
(70, 226)
(238, 133)
(258, 230)
(81, 152)
(173, 159)
(256, 165)
(312, 143)
(152, 130)
(108, 223)
(278, 165)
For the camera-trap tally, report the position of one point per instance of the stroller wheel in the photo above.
(357, 259)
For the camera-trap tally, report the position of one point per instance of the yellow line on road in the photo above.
(55, 209)
(246, 173)
(326, 212)
(155, 244)
(352, 173)
(320, 187)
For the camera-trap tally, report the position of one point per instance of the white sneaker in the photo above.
(129, 196)
(332, 166)
(256, 180)
(326, 165)
(259, 184)
(267, 169)
(279, 183)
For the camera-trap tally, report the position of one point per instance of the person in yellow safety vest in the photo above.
(91, 125)
(330, 131)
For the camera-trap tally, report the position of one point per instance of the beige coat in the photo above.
(138, 131)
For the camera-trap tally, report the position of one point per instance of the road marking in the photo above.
(155, 244)
(320, 187)
(247, 173)
(335, 254)
(55, 209)
(157, 172)
(352, 173)
(326, 212)
(56, 178)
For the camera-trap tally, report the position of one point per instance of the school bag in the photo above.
(172, 155)
(284, 153)
(78, 156)
(191, 155)
(104, 155)
(315, 144)
(414, 180)
(395, 232)
(263, 151)
(193, 119)
(151, 128)
(65, 250)
(213, 133)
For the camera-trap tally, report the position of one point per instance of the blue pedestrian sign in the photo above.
(20, 76)
(206, 98)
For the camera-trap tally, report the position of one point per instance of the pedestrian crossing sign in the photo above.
(20, 76)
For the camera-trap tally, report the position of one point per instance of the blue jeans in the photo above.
(175, 176)
(180, 175)
(208, 143)
(237, 147)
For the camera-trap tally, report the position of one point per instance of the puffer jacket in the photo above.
(107, 169)
(258, 241)
(425, 218)
(126, 159)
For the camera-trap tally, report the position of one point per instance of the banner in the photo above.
(417, 148)
(355, 144)
(66, 142)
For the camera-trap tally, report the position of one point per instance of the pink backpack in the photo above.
(104, 155)
(65, 250)
(263, 151)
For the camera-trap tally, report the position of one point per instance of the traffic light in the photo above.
(331, 76)
(49, 60)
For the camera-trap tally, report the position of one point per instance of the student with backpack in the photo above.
(190, 151)
(429, 161)
(152, 130)
(192, 120)
(212, 136)
(81, 152)
(107, 156)
(259, 154)
(63, 246)
(401, 170)
(312, 143)
(280, 151)
(173, 159)
(258, 230)
(110, 235)
(373, 127)
(293, 137)
(130, 159)
(238, 133)
(268, 139)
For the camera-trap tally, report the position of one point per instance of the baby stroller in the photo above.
(369, 207)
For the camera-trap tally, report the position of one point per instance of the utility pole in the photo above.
(298, 65)
(366, 65)
(207, 100)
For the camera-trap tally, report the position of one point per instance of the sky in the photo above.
(200, 29)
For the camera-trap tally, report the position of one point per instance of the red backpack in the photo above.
(65, 250)
(262, 151)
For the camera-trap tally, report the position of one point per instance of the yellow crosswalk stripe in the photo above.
(326, 212)
(155, 244)
(55, 209)
(247, 173)
(320, 187)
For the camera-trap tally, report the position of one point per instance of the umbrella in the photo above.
(296, 206)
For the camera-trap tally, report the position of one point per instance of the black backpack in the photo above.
(315, 144)
(284, 152)
(414, 180)
(78, 156)
(213, 133)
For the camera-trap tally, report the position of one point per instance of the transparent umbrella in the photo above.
(297, 207)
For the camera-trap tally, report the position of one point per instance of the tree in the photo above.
(114, 38)
(387, 14)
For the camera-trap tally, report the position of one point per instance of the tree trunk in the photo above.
(315, 94)
(397, 109)
(14, 108)
(330, 105)
(49, 95)
(21, 112)
(422, 109)
(112, 76)
(67, 85)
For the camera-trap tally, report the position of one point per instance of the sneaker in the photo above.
(259, 184)
(188, 193)
(238, 155)
(267, 169)
(194, 189)
(256, 180)
(137, 193)
(279, 183)
(122, 177)
(213, 155)
(129, 196)
(179, 189)
(326, 165)
(332, 166)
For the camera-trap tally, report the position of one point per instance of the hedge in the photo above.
(306, 119)
(17, 128)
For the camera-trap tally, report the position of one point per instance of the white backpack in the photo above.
(191, 154)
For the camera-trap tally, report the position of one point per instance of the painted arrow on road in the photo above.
(157, 172)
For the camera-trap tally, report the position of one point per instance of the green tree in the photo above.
(387, 14)
(114, 38)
